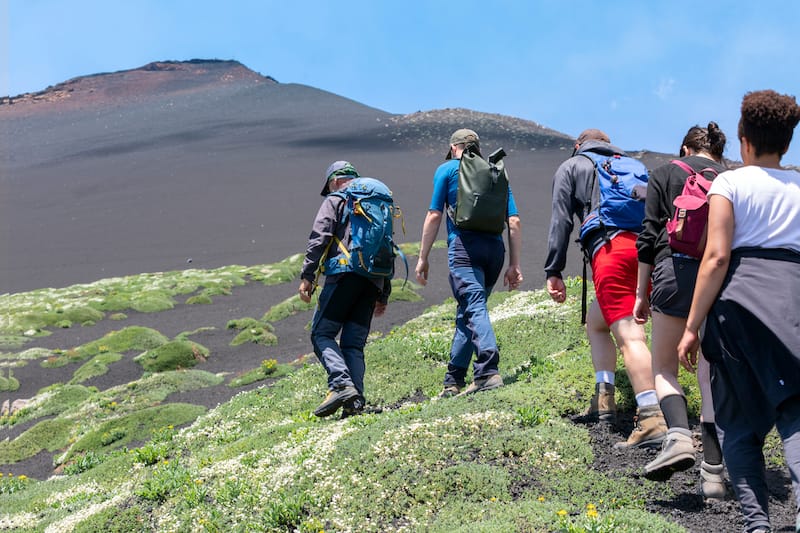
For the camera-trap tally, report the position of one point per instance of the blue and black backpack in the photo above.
(619, 188)
(617, 201)
(370, 210)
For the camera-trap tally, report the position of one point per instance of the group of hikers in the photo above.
(717, 268)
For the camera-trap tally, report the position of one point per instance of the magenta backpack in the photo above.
(687, 229)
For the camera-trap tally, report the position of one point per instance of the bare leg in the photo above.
(632, 342)
(604, 353)
(666, 334)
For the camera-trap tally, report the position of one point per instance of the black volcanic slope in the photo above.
(144, 169)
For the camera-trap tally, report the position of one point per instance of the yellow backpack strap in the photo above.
(321, 267)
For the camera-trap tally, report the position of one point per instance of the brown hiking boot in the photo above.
(448, 391)
(649, 429)
(481, 384)
(334, 400)
(602, 407)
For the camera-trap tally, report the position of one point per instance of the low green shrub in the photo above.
(199, 299)
(172, 356)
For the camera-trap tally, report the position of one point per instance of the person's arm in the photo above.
(711, 275)
(654, 214)
(429, 231)
(322, 232)
(513, 275)
(641, 307)
(560, 228)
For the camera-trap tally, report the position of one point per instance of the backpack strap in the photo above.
(342, 219)
(686, 168)
(689, 170)
(594, 203)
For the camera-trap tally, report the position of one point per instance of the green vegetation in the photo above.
(200, 299)
(30, 314)
(96, 367)
(289, 307)
(172, 355)
(261, 461)
(498, 461)
(8, 383)
(269, 368)
(252, 330)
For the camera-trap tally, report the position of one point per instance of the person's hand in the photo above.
(380, 309)
(513, 277)
(305, 290)
(641, 310)
(557, 289)
(422, 271)
(688, 348)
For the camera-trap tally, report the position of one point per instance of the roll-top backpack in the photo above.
(618, 193)
(688, 228)
(482, 198)
(369, 208)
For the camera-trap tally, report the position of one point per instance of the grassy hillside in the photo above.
(503, 460)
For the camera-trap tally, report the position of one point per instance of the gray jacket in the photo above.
(326, 225)
(572, 197)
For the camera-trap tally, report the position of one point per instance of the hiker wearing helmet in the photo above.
(610, 245)
(346, 303)
(475, 259)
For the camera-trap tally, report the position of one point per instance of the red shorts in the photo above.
(615, 272)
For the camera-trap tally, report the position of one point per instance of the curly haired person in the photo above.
(748, 293)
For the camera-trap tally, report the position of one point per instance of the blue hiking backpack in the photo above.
(370, 209)
(618, 200)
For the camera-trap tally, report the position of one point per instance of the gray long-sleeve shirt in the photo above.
(572, 197)
(326, 226)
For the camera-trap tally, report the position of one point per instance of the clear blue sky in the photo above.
(644, 71)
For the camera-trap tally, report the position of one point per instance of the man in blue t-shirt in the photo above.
(475, 260)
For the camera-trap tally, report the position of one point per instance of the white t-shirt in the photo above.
(766, 206)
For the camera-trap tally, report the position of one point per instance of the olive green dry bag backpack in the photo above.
(482, 200)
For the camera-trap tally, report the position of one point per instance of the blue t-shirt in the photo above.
(445, 192)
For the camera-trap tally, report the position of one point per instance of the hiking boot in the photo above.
(712, 482)
(353, 407)
(334, 400)
(449, 391)
(648, 431)
(603, 407)
(677, 455)
(481, 384)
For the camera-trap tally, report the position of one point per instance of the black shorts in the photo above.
(673, 285)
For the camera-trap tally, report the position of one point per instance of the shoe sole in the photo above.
(664, 472)
(651, 444)
(323, 411)
(481, 389)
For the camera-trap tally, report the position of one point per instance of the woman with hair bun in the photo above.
(748, 294)
(673, 276)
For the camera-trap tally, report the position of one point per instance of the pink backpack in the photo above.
(687, 229)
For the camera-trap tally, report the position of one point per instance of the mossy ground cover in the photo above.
(31, 314)
(505, 460)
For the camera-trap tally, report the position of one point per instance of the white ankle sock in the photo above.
(604, 376)
(647, 398)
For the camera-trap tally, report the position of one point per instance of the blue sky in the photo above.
(644, 71)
